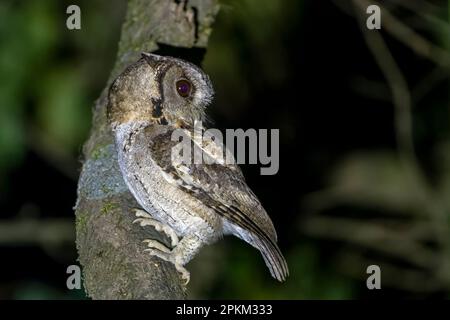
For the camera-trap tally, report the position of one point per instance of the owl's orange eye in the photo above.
(183, 88)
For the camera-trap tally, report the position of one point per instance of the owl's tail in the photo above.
(272, 256)
(266, 244)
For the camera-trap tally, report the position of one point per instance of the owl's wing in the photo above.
(221, 187)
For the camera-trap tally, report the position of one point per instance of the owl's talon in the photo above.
(141, 213)
(145, 219)
(156, 245)
(185, 275)
(157, 249)
(169, 257)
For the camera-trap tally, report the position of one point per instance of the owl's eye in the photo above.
(183, 88)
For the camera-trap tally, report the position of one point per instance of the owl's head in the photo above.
(159, 89)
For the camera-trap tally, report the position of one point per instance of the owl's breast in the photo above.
(163, 199)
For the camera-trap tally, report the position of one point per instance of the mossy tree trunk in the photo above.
(110, 247)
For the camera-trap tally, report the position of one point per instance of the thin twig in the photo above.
(399, 87)
(408, 36)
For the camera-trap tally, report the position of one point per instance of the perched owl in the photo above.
(193, 204)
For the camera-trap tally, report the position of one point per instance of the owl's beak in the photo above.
(151, 58)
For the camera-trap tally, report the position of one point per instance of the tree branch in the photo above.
(109, 245)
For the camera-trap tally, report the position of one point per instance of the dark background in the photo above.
(350, 192)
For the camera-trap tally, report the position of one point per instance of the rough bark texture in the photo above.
(110, 247)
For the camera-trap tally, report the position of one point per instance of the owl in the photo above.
(194, 204)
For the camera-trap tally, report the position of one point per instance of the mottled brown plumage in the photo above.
(197, 202)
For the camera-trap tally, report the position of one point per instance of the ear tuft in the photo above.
(151, 58)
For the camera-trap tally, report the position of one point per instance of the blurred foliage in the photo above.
(247, 34)
(308, 279)
(50, 79)
(53, 75)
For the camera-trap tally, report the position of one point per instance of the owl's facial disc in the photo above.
(185, 89)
